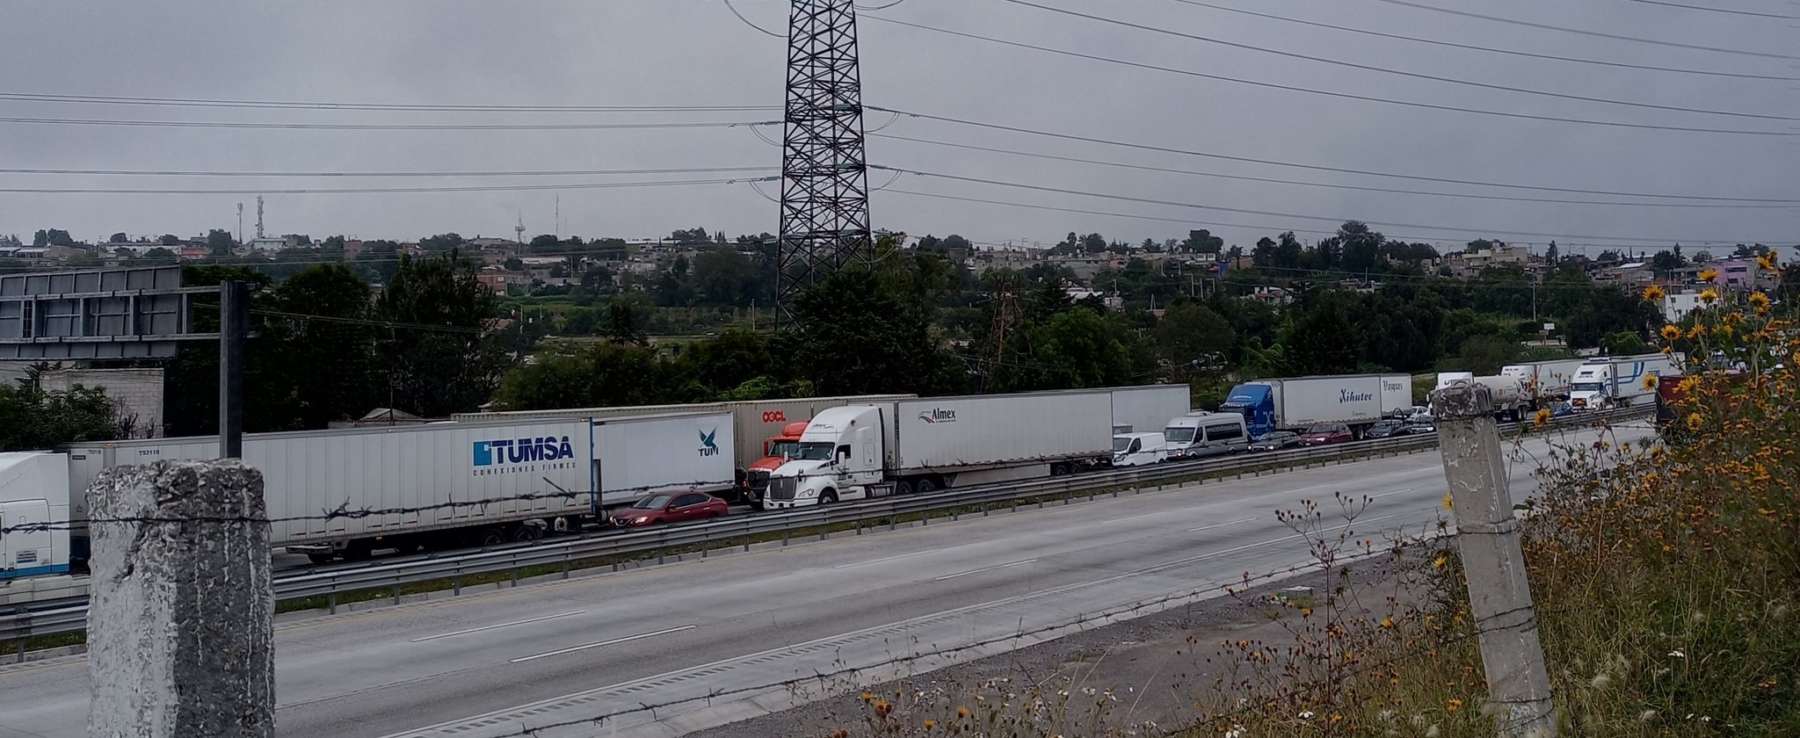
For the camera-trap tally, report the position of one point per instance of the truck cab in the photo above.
(1255, 401)
(777, 450)
(840, 456)
(1592, 387)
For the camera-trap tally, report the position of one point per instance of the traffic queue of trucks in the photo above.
(1619, 381)
(922, 445)
(1297, 404)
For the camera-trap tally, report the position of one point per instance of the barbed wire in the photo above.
(344, 512)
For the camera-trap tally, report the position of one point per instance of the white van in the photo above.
(1197, 435)
(1139, 449)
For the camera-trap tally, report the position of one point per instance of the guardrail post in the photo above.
(24, 616)
(331, 603)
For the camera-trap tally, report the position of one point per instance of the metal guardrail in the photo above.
(70, 614)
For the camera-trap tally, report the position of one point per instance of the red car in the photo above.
(670, 508)
(1325, 433)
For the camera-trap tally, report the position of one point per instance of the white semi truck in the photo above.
(1544, 382)
(448, 484)
(1356, 400)
(34, 515)
(1618, 381)
(926, 444)
(754, 424)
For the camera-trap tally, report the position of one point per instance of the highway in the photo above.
(490, 664)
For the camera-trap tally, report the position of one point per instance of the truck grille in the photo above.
(759, 481)
(782, 488)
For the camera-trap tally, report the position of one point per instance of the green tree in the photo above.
(52, 237)
(603, 374)
(438, 358)
(329, 361)
(1483, 355)
(1624, 343)
(219, 242)
(865, 330)
(1322, 339)
(169, 239)
(734, 357)
(627, 319)
(32, 419)
(1192, 335)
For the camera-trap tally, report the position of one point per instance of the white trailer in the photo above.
(1148, 409)
(34, 491)
(642, 455)
(306, 474)
(754, 422)
(1356, 400)
(1544, 381)
(927, 444)
(1618, 381)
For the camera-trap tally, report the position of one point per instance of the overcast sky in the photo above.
(694, 52)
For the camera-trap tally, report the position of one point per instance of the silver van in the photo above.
(1198, 435)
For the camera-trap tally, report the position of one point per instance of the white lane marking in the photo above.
(598, 644)
(1221, 525)
(985, 568)
(897, 557)
(899, 625)
(455, 633)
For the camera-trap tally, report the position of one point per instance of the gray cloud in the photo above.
(693, 52)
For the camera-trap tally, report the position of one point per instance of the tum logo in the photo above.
(521, 450)
(709, 443)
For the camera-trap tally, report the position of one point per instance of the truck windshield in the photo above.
(1179, 435)
(1120, 443)
(816, 451)
(784, 449)
(1587, 387)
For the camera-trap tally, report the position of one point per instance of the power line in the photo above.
(1362, 188)
(327, 105)
(1715, 10)
(1316, 167)
(414, 173)
(1488, 49)
(1190, 222)
(1330, 93)
(740, 16)
(1583, 32)
(1278, 214)
(1387, 70)
(372, 190)
(389, 126)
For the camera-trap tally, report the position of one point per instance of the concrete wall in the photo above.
(136, 393)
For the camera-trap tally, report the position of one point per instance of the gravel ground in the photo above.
(1140, 677)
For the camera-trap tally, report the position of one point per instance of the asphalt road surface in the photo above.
(492, 664)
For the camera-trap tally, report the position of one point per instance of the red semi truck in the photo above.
(777, 450)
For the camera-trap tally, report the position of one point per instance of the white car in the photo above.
(1139, 449)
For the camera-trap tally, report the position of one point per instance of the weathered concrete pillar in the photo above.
(180, 631)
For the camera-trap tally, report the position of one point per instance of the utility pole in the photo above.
(1487, 537)
(259, 216)
(234, 317)
(240, 232)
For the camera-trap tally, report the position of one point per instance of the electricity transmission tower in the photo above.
(824, 173)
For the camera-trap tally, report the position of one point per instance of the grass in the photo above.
(1666, 581)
